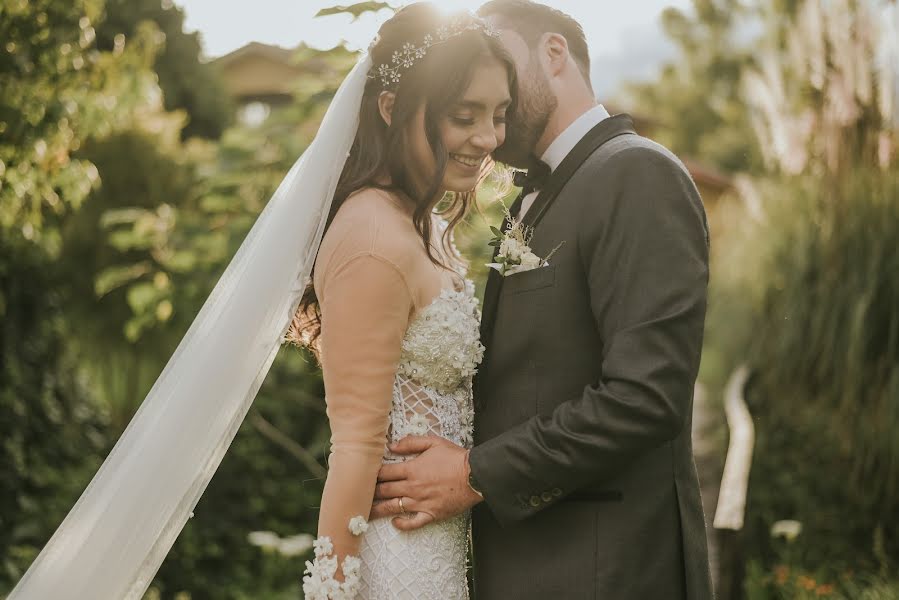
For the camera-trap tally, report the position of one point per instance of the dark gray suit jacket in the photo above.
(584, 401)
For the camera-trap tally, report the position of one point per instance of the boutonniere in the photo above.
(515, 254)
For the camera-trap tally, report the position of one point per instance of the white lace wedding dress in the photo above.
(431, 395)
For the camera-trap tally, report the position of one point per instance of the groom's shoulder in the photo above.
(636, 175)
(632, 153)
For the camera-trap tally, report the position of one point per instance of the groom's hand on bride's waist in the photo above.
(430, 487)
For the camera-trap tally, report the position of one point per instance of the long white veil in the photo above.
(112, 542)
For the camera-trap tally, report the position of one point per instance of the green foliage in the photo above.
(173, 214)
(696, 99)
(789, 583)
(260, 485)
(472, 236)
(140, 173)
(56, 90)
(834, 294)
(804, 272)
(92, 312)
(814, 309)
(52, 435)
(187, 84)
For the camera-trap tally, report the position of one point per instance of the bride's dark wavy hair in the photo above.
(438, 80)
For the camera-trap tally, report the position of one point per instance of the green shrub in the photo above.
(814, 309)
(53, 436)
(786, 583)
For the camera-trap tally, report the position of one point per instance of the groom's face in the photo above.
(536, 104)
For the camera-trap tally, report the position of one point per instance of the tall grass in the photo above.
(805, 288)
(827, 339)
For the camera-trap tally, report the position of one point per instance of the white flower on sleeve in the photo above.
(323, 546)
(358, 525)
(318, 580)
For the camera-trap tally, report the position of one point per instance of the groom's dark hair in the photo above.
(532, 19)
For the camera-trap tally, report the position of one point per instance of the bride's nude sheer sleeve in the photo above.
(366, 305)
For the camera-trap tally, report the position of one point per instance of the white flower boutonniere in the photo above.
(515, 255)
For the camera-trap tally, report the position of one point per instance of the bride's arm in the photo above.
(365, 305)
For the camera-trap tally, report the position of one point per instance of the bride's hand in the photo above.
(430, 487)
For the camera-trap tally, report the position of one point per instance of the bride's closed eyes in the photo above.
(469, 121)
(467, 113)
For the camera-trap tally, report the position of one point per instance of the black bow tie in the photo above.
(533, 179)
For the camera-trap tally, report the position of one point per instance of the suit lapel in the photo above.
(604, 131)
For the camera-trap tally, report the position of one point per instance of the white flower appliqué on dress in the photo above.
(431, 395)
(442, 348)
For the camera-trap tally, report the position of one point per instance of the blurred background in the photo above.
(139, 139)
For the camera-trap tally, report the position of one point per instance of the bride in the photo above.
(397, 321)
(350, 258)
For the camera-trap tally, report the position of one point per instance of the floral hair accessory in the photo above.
(406, 56)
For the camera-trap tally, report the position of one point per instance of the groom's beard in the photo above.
(536, 104)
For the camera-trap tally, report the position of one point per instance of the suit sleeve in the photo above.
(365, 312)
(643, 243)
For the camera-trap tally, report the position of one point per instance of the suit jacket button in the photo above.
(547, 496)
(557, 492)
(535, 501)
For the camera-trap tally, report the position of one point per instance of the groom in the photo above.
(582, 479)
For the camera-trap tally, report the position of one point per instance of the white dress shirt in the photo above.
(564, 144)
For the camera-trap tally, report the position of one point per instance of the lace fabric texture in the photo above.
(431, 395)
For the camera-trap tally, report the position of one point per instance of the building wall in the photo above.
(254, 76)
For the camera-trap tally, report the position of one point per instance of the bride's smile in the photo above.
(467, 160)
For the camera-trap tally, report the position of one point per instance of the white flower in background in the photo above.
(418, 425)
(264, 539)
(295, 545)
(787, 529)
(358, 525)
